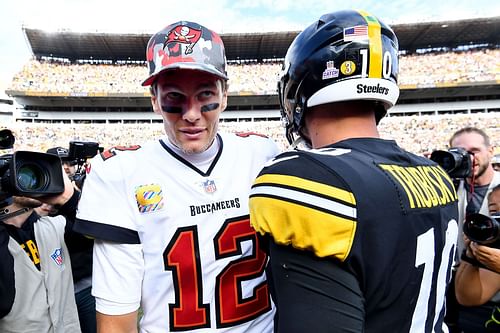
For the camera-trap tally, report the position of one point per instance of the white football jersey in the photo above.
(200, 266)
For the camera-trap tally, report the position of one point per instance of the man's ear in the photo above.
(155, 105)
(224, 100)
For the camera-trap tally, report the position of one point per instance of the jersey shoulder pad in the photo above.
(254, 144)
(299, 203)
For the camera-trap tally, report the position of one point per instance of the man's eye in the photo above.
(207, 93)
(174, 96)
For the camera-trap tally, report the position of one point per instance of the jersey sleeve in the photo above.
(313, 294)
(118, 271)
(272, 149)
(104, 210)
(305, 212)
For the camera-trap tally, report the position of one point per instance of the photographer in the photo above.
(475, 286)
(80, 252)
(472, 192)
(68, 164)
(35, 280)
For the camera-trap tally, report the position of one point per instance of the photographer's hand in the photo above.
(488, 256)
(61, 199)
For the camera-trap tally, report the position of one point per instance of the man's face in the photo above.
(190, 103)
(494, 202)
(69, 168)
(474, 143)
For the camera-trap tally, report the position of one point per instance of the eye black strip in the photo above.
(209, 107)
(171, 109)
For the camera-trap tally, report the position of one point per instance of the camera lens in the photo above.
(31, 177)
(481, 229)
(447, 163)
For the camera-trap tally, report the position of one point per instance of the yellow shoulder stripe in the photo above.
(303, 227)
(308, 185)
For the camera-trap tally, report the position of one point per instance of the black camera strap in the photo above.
(473, 178)
(6, 214)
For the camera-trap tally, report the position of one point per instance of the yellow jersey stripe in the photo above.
(309, 185)
(302, 227)
(375, 36)
(303, 198)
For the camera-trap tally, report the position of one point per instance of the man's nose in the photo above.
(192, 111)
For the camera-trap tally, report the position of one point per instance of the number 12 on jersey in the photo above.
(182, 258)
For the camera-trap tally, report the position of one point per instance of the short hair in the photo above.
(471, 129)
(495, 188)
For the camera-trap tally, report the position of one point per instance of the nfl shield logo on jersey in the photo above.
(57, 257)
(209, 186)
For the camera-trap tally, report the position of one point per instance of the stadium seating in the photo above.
(417, 70)
(418, 134)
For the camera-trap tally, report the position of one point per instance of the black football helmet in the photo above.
(345, 55)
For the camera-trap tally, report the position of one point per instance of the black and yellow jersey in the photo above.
(362, 236)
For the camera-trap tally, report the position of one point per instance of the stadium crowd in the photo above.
(417, 134)
(476, 65)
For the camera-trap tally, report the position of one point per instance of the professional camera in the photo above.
(482, 229)
(26, 173)
(79, 152)
(457, 162)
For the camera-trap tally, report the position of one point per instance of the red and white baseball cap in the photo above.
(185, 45)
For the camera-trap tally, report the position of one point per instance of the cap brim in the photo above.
(187, 66)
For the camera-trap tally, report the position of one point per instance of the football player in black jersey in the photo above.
(361, 234)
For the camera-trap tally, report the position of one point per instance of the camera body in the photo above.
(82, 150)
(456, 161)
(482, 229)
(79, 152)
(27, 173)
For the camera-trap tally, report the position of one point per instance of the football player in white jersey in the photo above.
(170, 217)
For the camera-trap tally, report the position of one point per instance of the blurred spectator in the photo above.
(495, 162)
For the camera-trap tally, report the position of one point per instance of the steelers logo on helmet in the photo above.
(345, 55)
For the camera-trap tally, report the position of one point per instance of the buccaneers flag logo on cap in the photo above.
(185, 35)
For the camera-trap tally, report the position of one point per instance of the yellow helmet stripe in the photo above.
(374, 34)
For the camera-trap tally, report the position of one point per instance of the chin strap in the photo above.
(298, 141)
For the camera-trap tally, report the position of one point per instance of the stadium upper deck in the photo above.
(418, 94)
(256, 46)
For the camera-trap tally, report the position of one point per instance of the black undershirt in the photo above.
(25, 236)
(475, 200)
